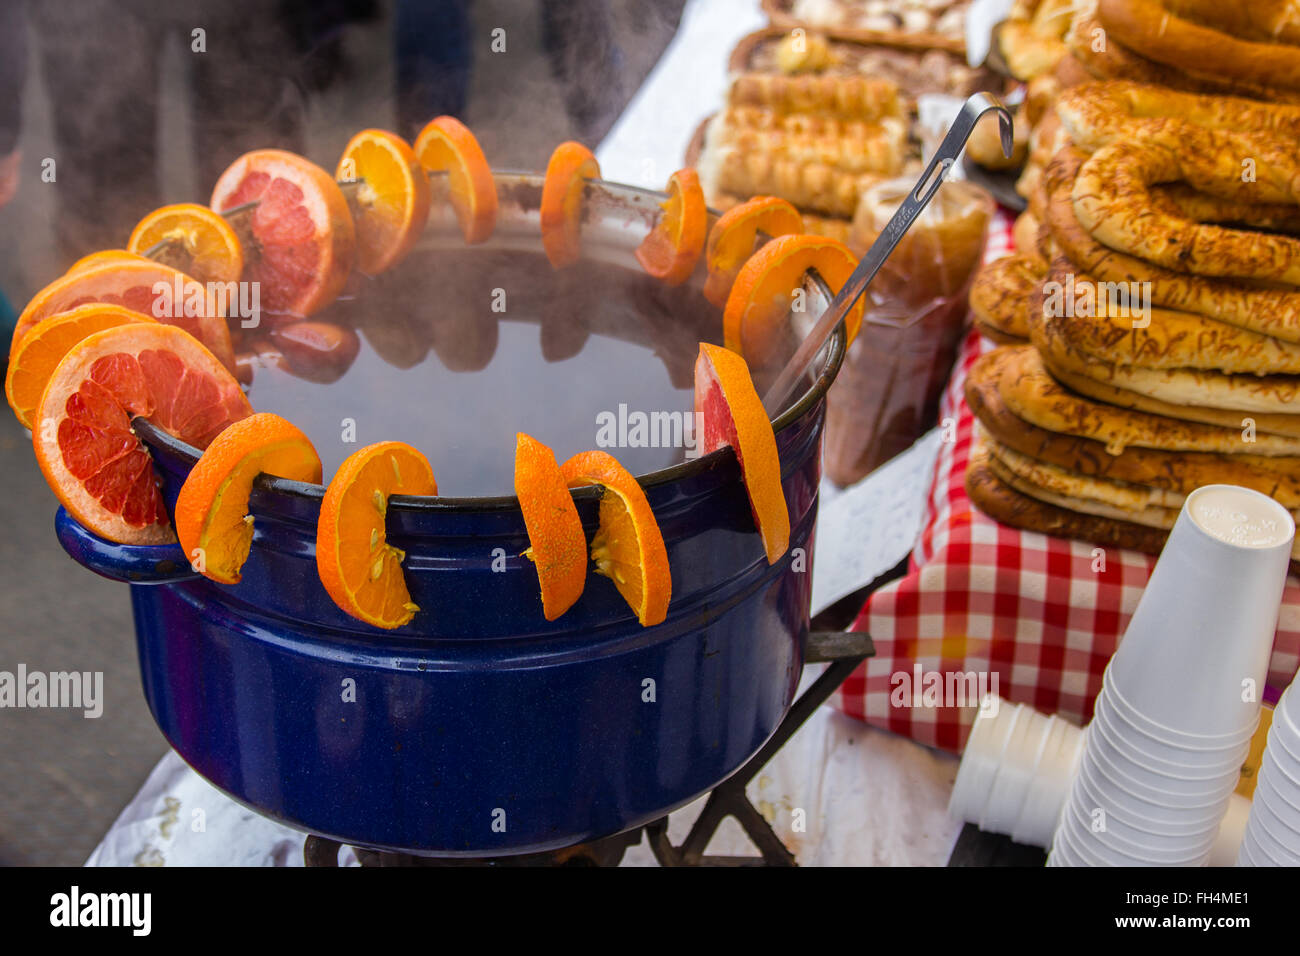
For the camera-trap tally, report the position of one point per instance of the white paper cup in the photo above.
(1174, 808)
(1206, 621)
(1015, 772)
(970, 790)
(1288, 764)
(1281, 842)
(1160, 753)
(1168, 765)
(1106, 848)
(1049, 786)
(1266, 791)
(1258, 853)
(1093, 792)
(1127, 713)
(1127, 831)
(1143, 782)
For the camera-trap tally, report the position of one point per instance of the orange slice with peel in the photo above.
(557, 544)
(731, 240)
(35, 358)
(82, 435)
(447, 145)
(734, 415)
(764, 291)
(628, 548)
(150, 288)
(193, 238)
(391, 205)
(211, 514)
(104, 256)
(360, 570)
(672, 248)
(566, 173)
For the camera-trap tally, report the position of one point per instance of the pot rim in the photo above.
(156, 437)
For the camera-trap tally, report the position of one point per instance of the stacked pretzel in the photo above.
(1152, 326)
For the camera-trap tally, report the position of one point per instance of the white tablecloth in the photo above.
(869, 797)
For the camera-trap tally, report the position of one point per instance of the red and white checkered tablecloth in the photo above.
(1038, 614)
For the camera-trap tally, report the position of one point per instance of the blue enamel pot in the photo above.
(482, 730)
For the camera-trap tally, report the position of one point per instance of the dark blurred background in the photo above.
(134, 115)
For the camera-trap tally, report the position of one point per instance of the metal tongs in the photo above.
(944, 158)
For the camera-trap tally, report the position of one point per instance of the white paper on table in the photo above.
(866, 530)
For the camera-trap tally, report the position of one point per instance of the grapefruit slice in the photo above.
(760, 300)
(734, 415)
(447, 145)
(731, 240)
(391, 205)
(97, 467)
(628, 548)
(672, 248)
(35, 358)
(570, 166)
(212, 519)
(301, 243)
(195, 240)
(150, 288)
(360, 570)
(556, 542)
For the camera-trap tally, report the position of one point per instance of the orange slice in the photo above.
(150, 288)
(212, 519)
(672, 248)
(734, 415)
(301, 242)
(570, 165)
(764, 291)
(35, 358)
(194, 239)
(557, 544)
(361, 571)
(731, 240)
(447, 145)
(391, 205)
(628, 548)
(104, 256)
(97, 467)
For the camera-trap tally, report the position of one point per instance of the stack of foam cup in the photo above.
(1180, 698)
(1273, 830)
(1016, 770)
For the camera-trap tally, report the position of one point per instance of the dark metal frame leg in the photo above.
(845, 651)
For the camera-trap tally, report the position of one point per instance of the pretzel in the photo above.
(1269, 21)
(1110, 327)
(1112, 199)
(1147, 27)
(1099, 113)
(1267, 311)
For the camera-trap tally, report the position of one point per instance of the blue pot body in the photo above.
(480, 728)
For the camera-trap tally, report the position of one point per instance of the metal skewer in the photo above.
(945, 156)
(349, 187)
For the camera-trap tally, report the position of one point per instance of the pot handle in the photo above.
(132, 563)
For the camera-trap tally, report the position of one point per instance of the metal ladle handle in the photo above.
(945, 156)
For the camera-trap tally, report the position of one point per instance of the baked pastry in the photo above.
(1112, 201)
(1004, 294)
(1147, 26)
(1272, 312)
(1034, 396)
